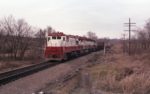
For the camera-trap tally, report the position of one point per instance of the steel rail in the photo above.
(12, 75)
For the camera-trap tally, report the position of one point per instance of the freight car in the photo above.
(60, 46)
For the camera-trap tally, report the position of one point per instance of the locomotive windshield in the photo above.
(58, 37)
(54, 38)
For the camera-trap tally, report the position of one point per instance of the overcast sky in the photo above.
(104, 17)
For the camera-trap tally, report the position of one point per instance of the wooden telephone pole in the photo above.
(129, 25)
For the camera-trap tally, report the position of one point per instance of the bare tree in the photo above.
(48, 30)
(92, 35)
(147, 28)
(23, 37)
(40, 42)
(41, 36)
(16, 37)
(7, 25)
(1, 41)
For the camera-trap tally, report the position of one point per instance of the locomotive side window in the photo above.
(53, 37)
(58, 37)
(77, 42)
(63, 38)
(49, 38)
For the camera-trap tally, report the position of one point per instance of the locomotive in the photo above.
(60, 46)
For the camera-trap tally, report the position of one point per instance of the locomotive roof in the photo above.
(56, 34)
(72, 36)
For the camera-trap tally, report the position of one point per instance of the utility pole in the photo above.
(124, 42)
(129, 25)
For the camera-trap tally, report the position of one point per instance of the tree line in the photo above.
(140, 40)
(18, 39)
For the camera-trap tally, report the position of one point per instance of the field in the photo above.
(120, 73)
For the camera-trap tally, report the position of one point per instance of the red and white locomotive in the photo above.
(60, 46)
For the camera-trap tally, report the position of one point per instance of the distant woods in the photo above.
(140, 41)
(92, 35)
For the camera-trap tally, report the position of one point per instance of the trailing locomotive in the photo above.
(60, 46)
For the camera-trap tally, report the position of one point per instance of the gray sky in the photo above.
(104, 17)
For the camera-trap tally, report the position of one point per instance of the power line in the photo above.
(129, 25)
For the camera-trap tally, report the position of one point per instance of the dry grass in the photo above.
(122, 73)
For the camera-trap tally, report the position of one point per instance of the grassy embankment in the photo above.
(123, 74)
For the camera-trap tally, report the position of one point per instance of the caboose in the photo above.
(60, 46)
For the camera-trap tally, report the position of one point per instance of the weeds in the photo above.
(126, 75)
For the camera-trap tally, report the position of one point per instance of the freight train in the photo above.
(60, 46)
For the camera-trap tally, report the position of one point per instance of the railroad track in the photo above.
(12, 75)
(9, 76)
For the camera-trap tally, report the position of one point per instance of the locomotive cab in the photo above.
(55, 41)
(54, 47)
